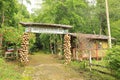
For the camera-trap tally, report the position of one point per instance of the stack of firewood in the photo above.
(24, 49)
(67, 51)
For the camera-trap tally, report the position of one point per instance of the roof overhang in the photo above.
(46, 28)
(91, 36)
(46, 25)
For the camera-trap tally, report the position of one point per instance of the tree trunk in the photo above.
(3, 18)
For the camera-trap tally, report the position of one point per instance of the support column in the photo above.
(24, 49)
(67, 47)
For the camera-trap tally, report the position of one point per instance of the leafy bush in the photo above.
(11, 34)
(7, 72)
(31, 42)
(114, 60)
(79, 65)
(115, 30)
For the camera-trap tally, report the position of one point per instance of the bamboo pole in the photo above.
(90, 60)
(108, 25)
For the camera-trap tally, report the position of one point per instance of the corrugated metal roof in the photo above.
(90, 36)
(46, 25)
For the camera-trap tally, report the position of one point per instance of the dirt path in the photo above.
(46, 67)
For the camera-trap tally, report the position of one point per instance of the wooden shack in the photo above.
(84, 44)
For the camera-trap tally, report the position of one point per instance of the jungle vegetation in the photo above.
(84, 17)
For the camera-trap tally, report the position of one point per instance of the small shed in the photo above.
(83, 44)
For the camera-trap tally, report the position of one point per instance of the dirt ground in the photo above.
(47, 67)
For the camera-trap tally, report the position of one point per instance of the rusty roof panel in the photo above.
(90, 36)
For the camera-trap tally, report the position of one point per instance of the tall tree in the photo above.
(7, 11)
(114, 17)
(71, 12)
(10, 12)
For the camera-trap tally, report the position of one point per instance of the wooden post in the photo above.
(60, 45)
(24, 49)
(51, 46)
(67, 47)
(90, 59)
(96, 51)
(108, 25)
(54, 44)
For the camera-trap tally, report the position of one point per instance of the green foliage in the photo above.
(83, 68)
(11, 34)
(37, 45)
(114, 10)
(78, 65)
(7, 11)
(115, 30)
(68, 12)
(8, 72)
(114, 60)
(100, 11)
(31, 42)
(83, 18)
(11, 13)
(115, 19)
(44, 38)
(114, 15)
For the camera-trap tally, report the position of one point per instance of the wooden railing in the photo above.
(97, 65)
(109, 72)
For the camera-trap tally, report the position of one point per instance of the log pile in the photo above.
(24, 49)
(67, 51)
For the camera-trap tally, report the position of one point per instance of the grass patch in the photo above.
(8, 72)
(78, 65)
(83, 68)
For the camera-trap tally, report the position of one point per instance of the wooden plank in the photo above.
(46, 30)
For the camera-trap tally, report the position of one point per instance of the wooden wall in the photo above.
(98, 50)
